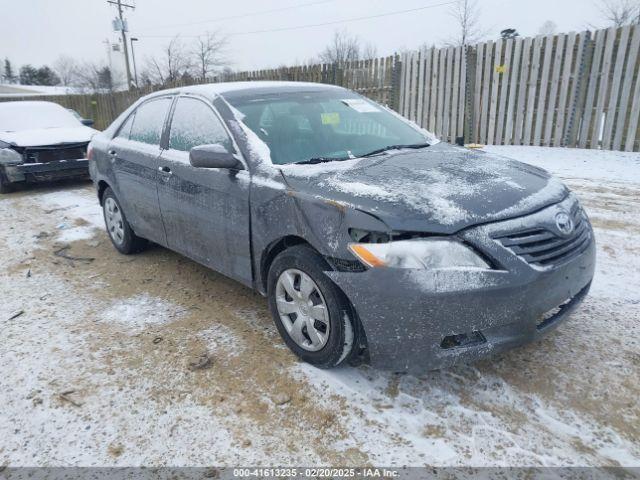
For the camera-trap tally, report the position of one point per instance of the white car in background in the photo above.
(41, 141)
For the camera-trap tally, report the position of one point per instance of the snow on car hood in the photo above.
(48, 136)
(439, 189)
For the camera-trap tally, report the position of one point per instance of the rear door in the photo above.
(205, 210)
(134, 155)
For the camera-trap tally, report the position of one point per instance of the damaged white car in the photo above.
(41, 141)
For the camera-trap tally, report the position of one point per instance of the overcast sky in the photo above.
(38, 31)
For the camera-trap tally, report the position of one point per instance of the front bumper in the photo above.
(417, 320)
(42, 172)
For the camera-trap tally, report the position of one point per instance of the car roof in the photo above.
(28, 103)
(227, 89)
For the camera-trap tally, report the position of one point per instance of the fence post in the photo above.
(396, 83)
(470, 59)
(580, 91)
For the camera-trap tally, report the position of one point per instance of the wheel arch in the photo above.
(271, 252)
(102, 187)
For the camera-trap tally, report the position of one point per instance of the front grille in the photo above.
(55, 154)
(544, 247)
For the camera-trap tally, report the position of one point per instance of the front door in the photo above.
(134, 153)
(205, 211)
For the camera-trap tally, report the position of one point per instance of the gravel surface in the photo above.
(154, 360)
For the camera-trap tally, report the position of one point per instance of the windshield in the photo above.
(16, 116)
(327, 125)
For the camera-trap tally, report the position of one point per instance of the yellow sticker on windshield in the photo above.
(330, 118)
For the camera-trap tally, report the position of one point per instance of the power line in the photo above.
(243, 15)
(313, 25)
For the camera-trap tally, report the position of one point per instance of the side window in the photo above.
(149, 120)
(193, 124)
(125, 129)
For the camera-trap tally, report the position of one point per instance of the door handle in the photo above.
(113, 153)
(164, 170)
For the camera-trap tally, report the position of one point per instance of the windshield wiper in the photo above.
(415, 146)
(313, 161)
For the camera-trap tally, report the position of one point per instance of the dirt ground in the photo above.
(154, 360)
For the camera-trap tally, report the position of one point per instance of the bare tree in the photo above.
(618, 13)
(96, 77)
(467, 16)
(548, 28)
(87, 76)
(174, 63)
(370, 52)
(209, 53)
(343, 48)
(67, 69)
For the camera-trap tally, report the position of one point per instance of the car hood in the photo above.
(439, 189)
(48, 136)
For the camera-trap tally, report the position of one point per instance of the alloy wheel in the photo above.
(302, 309)
(113, 217)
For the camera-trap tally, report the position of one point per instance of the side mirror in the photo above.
(87, 122)
(213, 156)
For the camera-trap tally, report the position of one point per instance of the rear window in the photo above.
(149, 121)
(17, 116)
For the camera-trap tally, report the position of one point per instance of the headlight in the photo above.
(423, 254)
(9, 157)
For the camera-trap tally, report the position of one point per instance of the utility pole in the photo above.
(123, 31)
(107, 43)
(133, 57)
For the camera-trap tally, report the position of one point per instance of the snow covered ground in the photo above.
(154, 360)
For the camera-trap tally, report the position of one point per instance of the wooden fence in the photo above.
(573, 90)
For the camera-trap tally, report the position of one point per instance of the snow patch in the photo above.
(313, 170)
(221, 339)
(267, 182)
(141, 311)
(553, 188)
(77, 203)
(600, 165)
(362, 189)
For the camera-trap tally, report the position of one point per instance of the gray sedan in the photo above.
(373, 241)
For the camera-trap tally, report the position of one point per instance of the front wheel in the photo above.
(312, 315)
(119, 230)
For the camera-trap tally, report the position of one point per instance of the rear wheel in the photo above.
(119, 230)
(312, 315)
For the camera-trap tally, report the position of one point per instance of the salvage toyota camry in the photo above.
(373, 241)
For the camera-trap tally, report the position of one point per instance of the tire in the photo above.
(5, 185)
(120, 232)
(339, 331)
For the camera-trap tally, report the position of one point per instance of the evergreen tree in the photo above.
(509, 33)
(28, 75)
(46, 76)
(8, 75)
